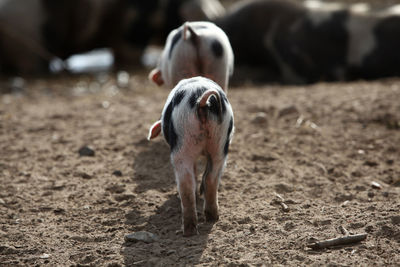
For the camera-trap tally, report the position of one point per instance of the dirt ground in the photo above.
(319, 147)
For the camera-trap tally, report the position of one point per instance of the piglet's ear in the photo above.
(155, 130)
(155, 76)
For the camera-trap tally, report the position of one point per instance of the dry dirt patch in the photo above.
(319, 147)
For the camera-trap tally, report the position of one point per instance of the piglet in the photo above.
(197, 120)
(195, 49)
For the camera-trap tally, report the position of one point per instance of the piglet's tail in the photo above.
(205, 103)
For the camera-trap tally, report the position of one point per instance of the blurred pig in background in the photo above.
(21, 40)
(300, 42)
(34, 32)
(195, 49)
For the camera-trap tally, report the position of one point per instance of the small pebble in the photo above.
(117, 173)
(170, 252)
(86, 151)
(371, 163)
(84, 175)
(105, 104)
(59, 211)
(288, 110)
(260, 118)
(144, 236)
(376, 185)
(344, 204)
(390, 162)
(45, 256)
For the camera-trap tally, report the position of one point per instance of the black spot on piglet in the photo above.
(168, 127)
(173, 137)
(217, 49)
(179, 95)
(226, 147)
(167, 121)
(175, 39)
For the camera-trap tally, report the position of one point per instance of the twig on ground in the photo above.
(344, 204)
(343, 230)
(284, 207)
(281, 201)
(338, 241)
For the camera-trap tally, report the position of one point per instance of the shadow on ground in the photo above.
(172, 248)
(152, 168)
(154, 179)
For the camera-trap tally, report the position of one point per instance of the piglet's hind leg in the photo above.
(186, 182)
(211, 182)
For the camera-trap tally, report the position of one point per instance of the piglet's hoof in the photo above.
(211, 216)
(190, 230)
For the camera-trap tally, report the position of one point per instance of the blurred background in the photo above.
(78, 174)
(45, 37)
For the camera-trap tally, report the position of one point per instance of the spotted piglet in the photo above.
(195, 49)
(197, 120)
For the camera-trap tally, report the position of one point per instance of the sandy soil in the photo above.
(319, 147)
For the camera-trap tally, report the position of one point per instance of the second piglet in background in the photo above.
(197, 120)
(195, 49)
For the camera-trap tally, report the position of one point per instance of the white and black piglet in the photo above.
(195, 49)
(197, 120)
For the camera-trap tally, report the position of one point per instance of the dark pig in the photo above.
(314, 41)
(34, 32)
